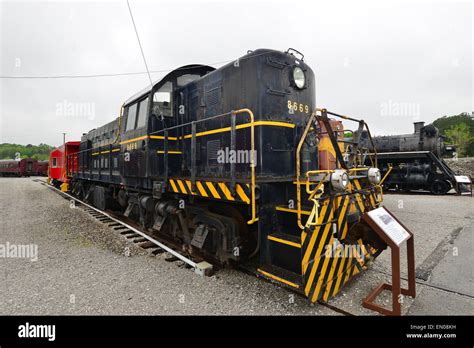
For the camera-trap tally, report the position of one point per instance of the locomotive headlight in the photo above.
(339, 180)
(298, 77)
(374, 175)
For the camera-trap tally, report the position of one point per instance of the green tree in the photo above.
(40, 152)
(460, 136)
(447, 122)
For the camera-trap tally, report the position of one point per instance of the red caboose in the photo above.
(62, 164)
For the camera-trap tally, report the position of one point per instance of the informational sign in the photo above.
(396, 232)
(462, 179)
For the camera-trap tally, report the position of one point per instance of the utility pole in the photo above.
(64, 152)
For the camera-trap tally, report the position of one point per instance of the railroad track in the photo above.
(151, 245)
(134, 234)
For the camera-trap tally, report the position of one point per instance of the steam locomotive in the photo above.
(235, 165)
(414, 161)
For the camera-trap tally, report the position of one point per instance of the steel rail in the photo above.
(144, 235)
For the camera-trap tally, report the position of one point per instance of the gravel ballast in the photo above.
(82, 268)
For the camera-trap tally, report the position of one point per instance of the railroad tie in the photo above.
(147, 245)
(157, 251)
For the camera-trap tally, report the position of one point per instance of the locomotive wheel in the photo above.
(100, 201)
(440, 187)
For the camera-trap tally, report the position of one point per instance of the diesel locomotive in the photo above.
(236, 165)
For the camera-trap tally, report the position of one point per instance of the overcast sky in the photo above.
(390, 63)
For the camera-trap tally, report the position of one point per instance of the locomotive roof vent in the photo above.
(418, 126)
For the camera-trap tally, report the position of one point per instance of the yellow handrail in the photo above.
(119, 121)
(321, 182)
(298, 150)
(252, 161)
(379, 185)
(386, 175)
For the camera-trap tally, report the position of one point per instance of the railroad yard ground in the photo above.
(82, 265)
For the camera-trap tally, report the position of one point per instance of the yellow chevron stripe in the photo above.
(357, 184)
(188, 183)
(226, 191)
(307, 252)
(343, 212)
(201, 189)
(215, 194)
(359, 202)
(181, 186)
(321, 275)
(359, 259)
(173, 186)
(331, 275)
(344, 231)
(360, 199)
(348, 269)
(362, 246)
(339, 276)
(372, 201)
(317, 256)
(269, 275)
(242, 195)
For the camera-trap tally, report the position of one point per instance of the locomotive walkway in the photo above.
(84, 267)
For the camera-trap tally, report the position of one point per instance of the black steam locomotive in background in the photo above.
(424, 138)
(415, 161)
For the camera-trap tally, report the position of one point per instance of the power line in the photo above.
(98, 75)
(73, 76)
(117, 74)
(140, 44)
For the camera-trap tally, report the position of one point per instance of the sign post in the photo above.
(394, 234)
(462, 180)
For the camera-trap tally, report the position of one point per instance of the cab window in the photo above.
(163, 101)
(132, 115)
(142, 109)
